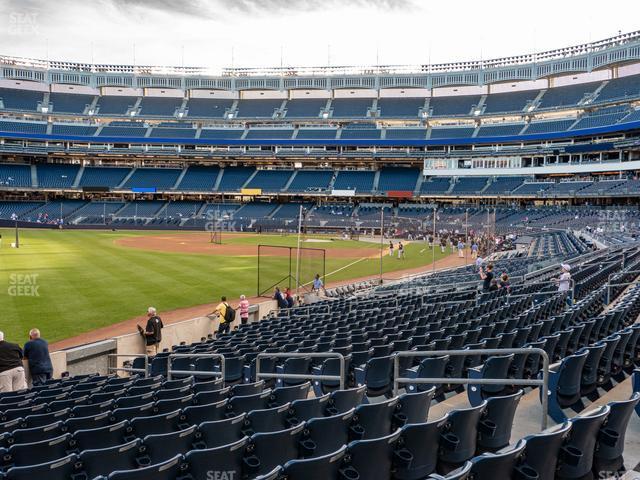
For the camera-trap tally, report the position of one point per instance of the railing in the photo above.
(543, 383)
(623, 284)
(195, 372)
(298, 376)
(126, 369)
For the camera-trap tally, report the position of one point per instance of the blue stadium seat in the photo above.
(220, 432)
(374, 420)
(430, 367)
(583, 437)
(543, 450)
(120, 414)
(163, 471)
(103, 437)
(156, 424)
(27, 454)
(307, 409)
(504, 464)
(246, 403)
(564, 384)
(460, 436)
(422, 442)
(17, 99)
(69, 102)
(376, 375)
(267, 420)
(462, 473)
(342, 401)
(373, 459)
(495, 368)
(304, 107)
(414, 407)
(59, 469)
(89, 422)
(267, 451)
(208, 107)
(169, 405)
(284, 395)
(609, 450)
(494, 429)
(160, 448)
(38, 434)
(105, 460)
(227, 458)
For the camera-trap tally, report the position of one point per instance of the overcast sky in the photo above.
(302, 32)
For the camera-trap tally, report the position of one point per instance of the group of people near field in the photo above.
(224, 312)
(13, 358)
(401, 251)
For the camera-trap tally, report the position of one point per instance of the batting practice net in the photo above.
(216, 237)
(277, 267)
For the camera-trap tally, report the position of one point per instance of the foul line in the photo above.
(338, 270)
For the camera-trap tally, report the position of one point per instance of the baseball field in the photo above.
(67, 282)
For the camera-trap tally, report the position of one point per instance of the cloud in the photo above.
(213, 8)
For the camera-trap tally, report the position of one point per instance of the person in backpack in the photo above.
(226, 314)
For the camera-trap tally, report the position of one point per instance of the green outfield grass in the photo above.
(69, 282)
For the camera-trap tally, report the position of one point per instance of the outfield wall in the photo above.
(94, 357)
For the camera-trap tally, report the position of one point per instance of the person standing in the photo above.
(400, 250)
(223, 310)
(460, 249)
(390, 248)
(474, 250)
(317, 283)
(504, 283)
(564, 281)
(153, 331)
(244, 310)
(36, 352)
(288, 296)
(279, 298)
(487, 277)
(12, 376)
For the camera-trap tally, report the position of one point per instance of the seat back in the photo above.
(461, 429)
(326, 435)
(373, 459)
(578, 458)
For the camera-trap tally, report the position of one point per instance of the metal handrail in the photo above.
(195, 372)
(624, 284)
(299, 308)
(544, 382)
(130, 370)
(298, 376)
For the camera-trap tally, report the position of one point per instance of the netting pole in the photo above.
(298, 253)
(466, 236)
(433, 252)
(381, 242)
(17, 235)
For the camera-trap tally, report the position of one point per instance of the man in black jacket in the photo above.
(36, 351)
(153, 331)
(11, 369)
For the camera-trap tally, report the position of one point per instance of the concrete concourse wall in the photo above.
(94, 357)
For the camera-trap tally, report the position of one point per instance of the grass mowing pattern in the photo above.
(84, 281)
